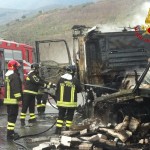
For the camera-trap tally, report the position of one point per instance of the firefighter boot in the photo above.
(43, 109)
(11, 135)
(58, 131)
(39, 111)
(22, 122)
(43, 112)
(32, 120)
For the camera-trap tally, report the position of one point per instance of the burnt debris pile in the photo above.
(91, 134)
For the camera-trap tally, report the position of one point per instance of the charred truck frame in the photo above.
(111, 62)
(52, 67)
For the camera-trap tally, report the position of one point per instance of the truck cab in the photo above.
(53, 56)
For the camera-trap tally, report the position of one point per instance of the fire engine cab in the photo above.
(11, 50)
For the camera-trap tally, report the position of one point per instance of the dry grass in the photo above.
(58, 23)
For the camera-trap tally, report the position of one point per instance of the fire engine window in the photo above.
(27, 55)
(17, 55)
(8, 54)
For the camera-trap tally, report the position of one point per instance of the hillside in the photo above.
(58, 23)
(7, 15)
(10, 12)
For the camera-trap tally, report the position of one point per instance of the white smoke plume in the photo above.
(109, 28)
(139, 18)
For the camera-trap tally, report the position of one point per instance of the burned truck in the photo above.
(112, 67)
(109, 66)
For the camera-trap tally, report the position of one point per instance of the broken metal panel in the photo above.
(81, 62)
(94, 63)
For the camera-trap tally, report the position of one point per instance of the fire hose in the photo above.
(30, 135)
(52, 97)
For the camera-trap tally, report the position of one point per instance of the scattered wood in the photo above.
(108, 137)
(82, 132)
(127, 94)
(144, 141)
(123, 125)
(134, 124)
(70, 133)
(79, 139)
(122, 135)
(85, 146)
(65, 141)
(55, 141)
(80, 127)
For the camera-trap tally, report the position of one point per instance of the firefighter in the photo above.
(42, 97)
(13, 96)
(32, 85)
(41, 103)
(66, 96)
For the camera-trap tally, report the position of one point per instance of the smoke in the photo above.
(136, 18)
(108, 28)
(139, 18)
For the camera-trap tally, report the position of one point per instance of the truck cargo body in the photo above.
(98, 54)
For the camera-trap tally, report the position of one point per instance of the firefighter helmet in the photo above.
(35, 66)
(13, 65)
(71, 69)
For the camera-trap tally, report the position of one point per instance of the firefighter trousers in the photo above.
(41, 102)
(65, 114)
(12, 111)
(28, 103)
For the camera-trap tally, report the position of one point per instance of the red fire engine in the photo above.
(11, 50)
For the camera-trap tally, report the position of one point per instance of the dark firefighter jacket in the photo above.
(67, 89)
(13, 87)
(33, 82)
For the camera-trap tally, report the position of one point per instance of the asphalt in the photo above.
(43, 124)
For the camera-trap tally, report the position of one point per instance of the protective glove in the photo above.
(48, 85)
(53, 85)
(45, 85)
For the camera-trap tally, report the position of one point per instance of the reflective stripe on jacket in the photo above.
(67, 89)
(13, 87)
(33, 82)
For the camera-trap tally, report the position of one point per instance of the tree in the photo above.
(40, 11)
(23, 17)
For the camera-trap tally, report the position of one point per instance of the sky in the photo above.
(34, 4)
(24, 4)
